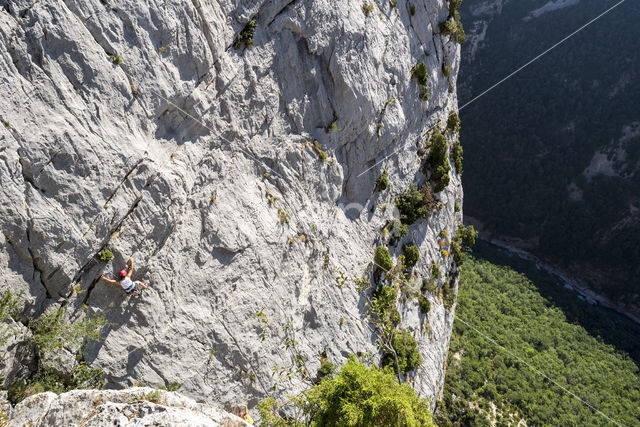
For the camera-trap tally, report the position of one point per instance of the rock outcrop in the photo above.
(140, 406)
(156, 131)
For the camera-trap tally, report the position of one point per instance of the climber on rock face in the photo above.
(243, 412)
(129, 286)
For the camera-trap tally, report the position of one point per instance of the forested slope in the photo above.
(553, 153)
(539, 325)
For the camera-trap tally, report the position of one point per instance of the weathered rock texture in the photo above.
(190, 155)
(130, 407)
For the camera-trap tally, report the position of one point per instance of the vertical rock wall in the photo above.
(138, 126)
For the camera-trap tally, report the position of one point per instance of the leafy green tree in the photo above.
(363, 396)
(406, 349)
(268, 409)
(383, 308)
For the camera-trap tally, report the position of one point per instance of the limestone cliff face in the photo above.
(139, 126)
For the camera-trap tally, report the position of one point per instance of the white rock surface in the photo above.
(129, 407)
(173, 155)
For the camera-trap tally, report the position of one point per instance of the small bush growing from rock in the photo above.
(9, 304)
(425, 305)
(446, 70)
(383, 259)
(105, 255)
(419, 72)
(453, 122)
(435, 270)
(439, 162)
(454, 28)
(411, 254)
(448, 295)
(48, 379)
(325, 371)
(368, 8)
(396, 230)
(382, 183)
(456, 156)
(322, 155)
(406, 347)
(393, 3)
(116, 59)
(172, 386)
(466, 236)
(454, 5)
(51, 333)
(414, 204)
(246, 35)
(412, 10)
(383, 309)
(438, 149)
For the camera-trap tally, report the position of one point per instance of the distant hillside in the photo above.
(590, 351)
(553, 154)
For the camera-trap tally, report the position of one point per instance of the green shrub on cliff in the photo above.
(454, 28)
(453, 122)
(245, 38)
(382, 183)
(105, 255)
(415, 204)
(406, 348)
(438, 161)
(456, 156)
(419, 72)
(411, 254)
(383, 259)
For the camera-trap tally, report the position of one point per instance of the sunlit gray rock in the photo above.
(141, 406)
(138, 126)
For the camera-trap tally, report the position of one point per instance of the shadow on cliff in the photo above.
(25, 268)
(611, 327)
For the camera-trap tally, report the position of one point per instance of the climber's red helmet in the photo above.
(123, 274)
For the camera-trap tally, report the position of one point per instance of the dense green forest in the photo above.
(586, 349)
(529, 142)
